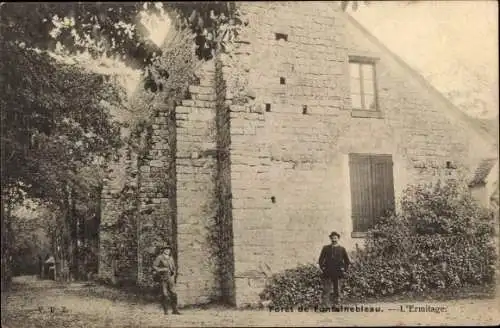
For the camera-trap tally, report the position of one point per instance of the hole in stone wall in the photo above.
(282, 80)
(268, 107)
(450, 165)
(281, 36)
(304, 109)
(273, 199)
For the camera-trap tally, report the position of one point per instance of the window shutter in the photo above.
(382, 184)
(361, 200)
(372, 188)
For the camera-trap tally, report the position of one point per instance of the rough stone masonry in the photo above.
(262, 147)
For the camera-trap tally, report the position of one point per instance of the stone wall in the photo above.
(223, 241)
(291, 137)
(196, 166)
(261, 173)
(156, 219)
(278, 154)
(426, 131)
(204, 212)
(118, 256)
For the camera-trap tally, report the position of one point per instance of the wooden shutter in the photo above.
(382, 185)
(372, 188)
(361, 201)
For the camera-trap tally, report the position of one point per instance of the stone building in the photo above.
(484, 184)
(311, 126)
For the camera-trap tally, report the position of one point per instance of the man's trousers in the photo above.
(331, 284)
(168, 288)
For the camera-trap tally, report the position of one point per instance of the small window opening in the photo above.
(281, 36)
(282, 80)
(304, 109)
(268, 107)
(273, 199)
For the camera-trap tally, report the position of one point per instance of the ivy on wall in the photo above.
(156, 102)
(141, 223)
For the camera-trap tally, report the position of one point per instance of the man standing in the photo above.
(166, 273)
(333, 262)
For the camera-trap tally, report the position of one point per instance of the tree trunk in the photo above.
(97, 242)
(73, 251)
(66, 250)
(5, 244)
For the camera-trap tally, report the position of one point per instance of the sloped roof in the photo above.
(490, 126)
(482, 171)
(474, 125)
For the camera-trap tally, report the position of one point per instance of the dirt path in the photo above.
(34, 303)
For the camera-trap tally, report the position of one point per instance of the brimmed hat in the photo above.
(165, 246)
(334, 233)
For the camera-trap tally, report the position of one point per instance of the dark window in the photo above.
(282, 80)
(372, 189)
(363, 85)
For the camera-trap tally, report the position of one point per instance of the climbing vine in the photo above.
(152, 123)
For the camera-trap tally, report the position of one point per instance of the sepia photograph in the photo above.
(249, 163)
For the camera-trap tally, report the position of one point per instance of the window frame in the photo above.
(359, 61)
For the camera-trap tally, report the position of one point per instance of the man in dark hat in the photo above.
(166, 272)
(333, 262)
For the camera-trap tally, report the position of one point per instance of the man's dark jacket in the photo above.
(333, 261)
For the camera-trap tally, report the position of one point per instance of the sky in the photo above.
(454, 44)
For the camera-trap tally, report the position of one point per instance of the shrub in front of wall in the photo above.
(299, 286)
(442, 242)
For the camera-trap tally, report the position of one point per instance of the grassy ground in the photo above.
(35, 303)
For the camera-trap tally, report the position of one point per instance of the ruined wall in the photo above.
(196, 166)
(109, 211)
(204, 216)
(223, 241)
(156, 217)
(117, 240)
(138, 201)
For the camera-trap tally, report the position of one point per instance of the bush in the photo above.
(441, 241)
(299, 286)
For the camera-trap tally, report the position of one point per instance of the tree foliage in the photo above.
(116, 28)
(55, 118)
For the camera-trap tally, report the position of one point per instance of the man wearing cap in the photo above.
(166, 272)
(333, 262)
